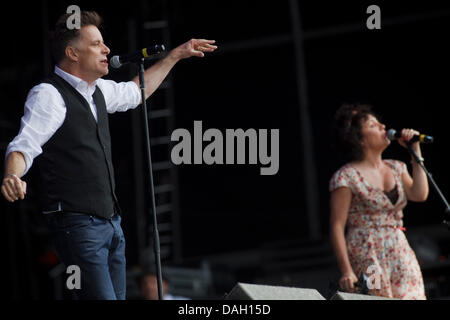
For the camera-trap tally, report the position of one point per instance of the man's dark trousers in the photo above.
(97, 246)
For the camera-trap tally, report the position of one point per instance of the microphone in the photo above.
(117, 61)
(422, 138)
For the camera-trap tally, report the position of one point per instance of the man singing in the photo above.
(66, 122)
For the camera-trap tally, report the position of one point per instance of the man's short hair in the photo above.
(61, 37)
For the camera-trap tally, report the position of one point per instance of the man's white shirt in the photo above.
(45, 110)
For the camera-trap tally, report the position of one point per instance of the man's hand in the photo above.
(13, 188)
(156, 74)
(193, 48)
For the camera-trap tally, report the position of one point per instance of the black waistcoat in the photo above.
(76, 166)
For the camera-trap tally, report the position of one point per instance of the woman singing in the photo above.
(368, 195)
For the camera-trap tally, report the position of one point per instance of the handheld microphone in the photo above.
(422, 138)
(118, 61)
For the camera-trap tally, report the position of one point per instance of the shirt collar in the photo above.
(79, 84)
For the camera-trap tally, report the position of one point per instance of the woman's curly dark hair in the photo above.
(347, 135)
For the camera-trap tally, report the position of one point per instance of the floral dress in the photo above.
(375, 237)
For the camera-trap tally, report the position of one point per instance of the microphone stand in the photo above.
(156, 243)
(433, 183)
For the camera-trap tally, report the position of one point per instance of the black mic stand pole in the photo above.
(420, 162)
(152, 186)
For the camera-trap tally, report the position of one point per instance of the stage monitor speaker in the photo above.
(354, 296)
(246, 291)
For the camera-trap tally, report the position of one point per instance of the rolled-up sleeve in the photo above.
(43, 115)
(120, 96)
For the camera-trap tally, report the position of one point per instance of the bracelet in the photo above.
(421, 159)
(12, 174)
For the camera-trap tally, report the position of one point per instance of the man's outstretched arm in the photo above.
(156, 74)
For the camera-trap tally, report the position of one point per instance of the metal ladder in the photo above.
(161, 124)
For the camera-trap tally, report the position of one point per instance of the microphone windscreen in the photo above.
(391, 134)
(115, 62)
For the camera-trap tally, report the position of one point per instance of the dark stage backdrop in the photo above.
(401, 69)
